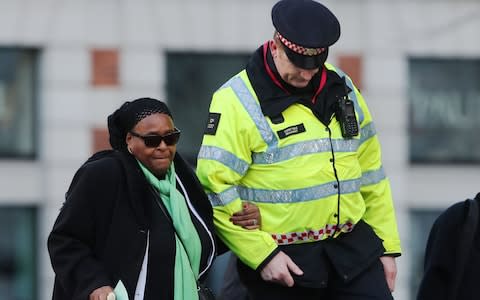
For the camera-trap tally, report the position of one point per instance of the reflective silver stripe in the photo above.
(275, 155)
(310, 235)
(298, 195)
(352, 95)
(367, 132)
(224, 197)
(225, 157)
(254, 110)
(284, 196)
(373, 177)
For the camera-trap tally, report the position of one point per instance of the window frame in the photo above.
(462, 88)
(31, 154)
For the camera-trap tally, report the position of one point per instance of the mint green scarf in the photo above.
(187, 260)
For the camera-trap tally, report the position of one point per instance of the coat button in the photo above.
(335, 185)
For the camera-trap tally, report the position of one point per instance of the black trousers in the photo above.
(369, 285)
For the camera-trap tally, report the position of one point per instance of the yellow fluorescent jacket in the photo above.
(292, 180)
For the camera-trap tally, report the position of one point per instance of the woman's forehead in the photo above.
(156, 120)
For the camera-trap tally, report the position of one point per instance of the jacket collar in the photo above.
(275, 95)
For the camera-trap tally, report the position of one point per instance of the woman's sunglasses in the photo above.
(152, 141)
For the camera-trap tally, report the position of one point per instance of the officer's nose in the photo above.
(308, 74)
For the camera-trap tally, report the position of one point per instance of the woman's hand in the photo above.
(249, 217)
(102, 293)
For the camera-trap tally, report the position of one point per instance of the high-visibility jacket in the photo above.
(309, 182)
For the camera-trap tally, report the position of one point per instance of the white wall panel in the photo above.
(9, 21)
(21, 182)
(34, 22)
(100, 103)
(141, 66)
(66, 66)
(65, 144)
(62, 105)
(68, 23)
(104, 23)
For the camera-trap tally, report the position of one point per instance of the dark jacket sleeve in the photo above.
(80, 230)
(439, 253)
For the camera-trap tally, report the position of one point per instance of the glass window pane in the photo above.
(444, 110)
(17, 105)
(421, 223)
(191, 80)
(17, 253)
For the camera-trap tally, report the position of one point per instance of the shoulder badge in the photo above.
(212, 123)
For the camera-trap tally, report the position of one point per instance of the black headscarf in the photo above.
(128, 115)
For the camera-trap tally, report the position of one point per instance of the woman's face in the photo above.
(156, 158)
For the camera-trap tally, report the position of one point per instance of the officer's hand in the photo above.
(278, 270)
(390, 269)
(101, 293)
(249, 217)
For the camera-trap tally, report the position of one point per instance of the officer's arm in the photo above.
(224, 159)
(375, 189)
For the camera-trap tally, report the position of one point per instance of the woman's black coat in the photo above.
(100, 235)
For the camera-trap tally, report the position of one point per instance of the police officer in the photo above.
(292, 134)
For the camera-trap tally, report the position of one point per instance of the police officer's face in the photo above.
(290, 73)
(157, 158)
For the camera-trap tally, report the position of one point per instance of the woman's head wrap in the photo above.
(128, 115)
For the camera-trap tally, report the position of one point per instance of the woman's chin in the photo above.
(161, 167)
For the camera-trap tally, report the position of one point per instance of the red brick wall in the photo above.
(105, 70)
(352, 65)
(100, 139)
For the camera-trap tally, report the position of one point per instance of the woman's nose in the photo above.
(162, 145)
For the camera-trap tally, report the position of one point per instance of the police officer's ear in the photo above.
(274, 48)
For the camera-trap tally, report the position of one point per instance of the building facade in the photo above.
(65, 65)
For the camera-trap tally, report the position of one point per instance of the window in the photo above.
(444, 110)
(421, 223)
(17, 253)
(17, 102)
(191, 80)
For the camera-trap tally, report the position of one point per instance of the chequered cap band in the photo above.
(300, 49)
(311, 235)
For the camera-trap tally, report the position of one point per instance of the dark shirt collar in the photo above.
(275, 99)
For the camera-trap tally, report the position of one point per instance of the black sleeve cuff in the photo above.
(268, 259)
(392, 254)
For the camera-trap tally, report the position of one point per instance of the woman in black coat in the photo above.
(135, 218)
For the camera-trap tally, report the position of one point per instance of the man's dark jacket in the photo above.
(100, 235)
(443, 253)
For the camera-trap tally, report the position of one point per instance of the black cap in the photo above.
(306, 28)
(122, 120)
